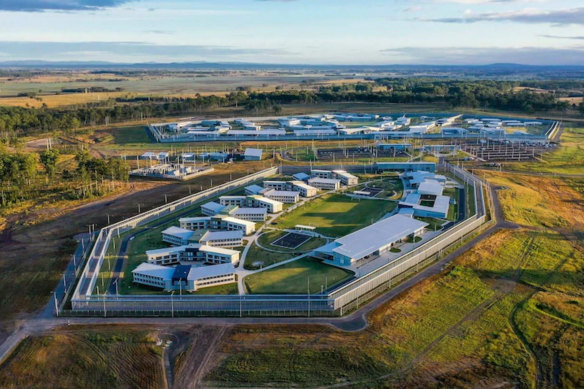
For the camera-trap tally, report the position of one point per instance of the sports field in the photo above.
(295, 277)
(337, 215)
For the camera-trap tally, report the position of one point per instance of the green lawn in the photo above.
(267, 258)
(337, 215)
(293, 278)
(453, 209)
(219, 289)
(263, 258)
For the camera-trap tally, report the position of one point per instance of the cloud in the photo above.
(128, 51)
(557, 17)
(563, 37)
(58, 5)
(486, 55)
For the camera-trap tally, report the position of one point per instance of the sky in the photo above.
(353, 32)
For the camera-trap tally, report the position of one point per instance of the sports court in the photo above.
(291, 240)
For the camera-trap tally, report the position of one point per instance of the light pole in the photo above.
(56, 304)
(172, 304)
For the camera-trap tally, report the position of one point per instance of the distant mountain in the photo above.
(489, 71)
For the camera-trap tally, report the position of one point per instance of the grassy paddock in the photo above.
(538, 201)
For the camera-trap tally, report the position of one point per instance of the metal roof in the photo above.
(199, 272)
(249, 152)
(178, 232)
(370, 239)
(154, 270)
(213, 206)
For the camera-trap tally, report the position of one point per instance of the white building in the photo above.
(278, 185)
(422, 128)
(346, 178)
(427, 199)
(321, 173)
(253, 154)
(222, 238)
(177, 236)
(206, 276)
(253, 190)
(184, 277)
(192, 252)
(251, 214)
(325, 183)
(153, 275)
(272, 206)
(211, 208)
(283, 196)
(218, 222)
(301, 176)
(373, 240)
(403, 121)
(233, 200)
(304, 189)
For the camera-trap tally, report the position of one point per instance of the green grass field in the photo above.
(337, 215)
(294, 278)
(257, 255)
(219, 289)
(131, 135)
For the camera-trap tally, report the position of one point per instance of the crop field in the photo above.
(337, 215)
(108, 358)
(296, 277)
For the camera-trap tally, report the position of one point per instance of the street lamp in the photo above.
(172, 304)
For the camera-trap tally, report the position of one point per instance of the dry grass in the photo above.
(464, 328)
(539, 201)
(54, 101)
(106, 358)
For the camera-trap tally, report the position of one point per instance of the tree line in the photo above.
(502, 95)
(21, 179)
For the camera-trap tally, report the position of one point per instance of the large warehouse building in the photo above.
(373, 240)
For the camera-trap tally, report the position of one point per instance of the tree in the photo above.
(49, 161)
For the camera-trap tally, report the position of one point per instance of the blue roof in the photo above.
(181, 272)
(253, 152)
(301, 176)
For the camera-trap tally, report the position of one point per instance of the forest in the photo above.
(499, 95)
